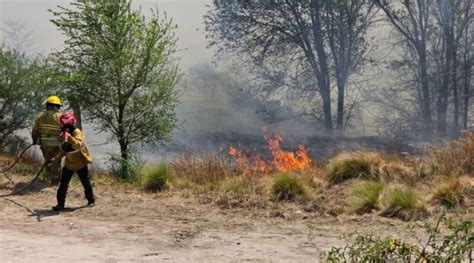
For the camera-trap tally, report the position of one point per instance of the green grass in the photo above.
(364, 195)
(156, 178)
(287, 187)
(402, 202)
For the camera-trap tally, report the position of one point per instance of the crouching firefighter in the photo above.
(77, 158)
(46, 132)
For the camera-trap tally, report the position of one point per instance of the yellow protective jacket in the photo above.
(76, 152)
(46, 128)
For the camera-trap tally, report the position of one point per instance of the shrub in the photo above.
(287, 187)
(156, 178)
(367, 165)
(127, 169)
(402, 202)
(456, 158)
(363, 196)
(455, 246)
(450, 192)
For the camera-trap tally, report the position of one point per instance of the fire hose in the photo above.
(31, 182)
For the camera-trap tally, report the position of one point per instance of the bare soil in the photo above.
(130, 226)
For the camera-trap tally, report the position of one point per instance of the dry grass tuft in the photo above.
(367, 165)
(364, 195)
(457, 158)
(401, 202)
(450, 192)
(203, 169)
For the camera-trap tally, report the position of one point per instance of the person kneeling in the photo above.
(77, 159)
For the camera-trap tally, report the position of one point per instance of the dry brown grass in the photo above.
(451, 191)
(455, 159)
(204, 168)
(369, 166)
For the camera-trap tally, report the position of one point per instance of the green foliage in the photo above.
(455, 246)
(364, 195)
(400, 201)
(120, 69)
(156, 178)
(22, 83)
(126, 168)
(287, 187)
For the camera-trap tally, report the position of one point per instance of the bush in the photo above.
(287, 187)
(156, 178)
(402, 202)
(363, 196)
(455, 246)
(127, 169)
(450, 192)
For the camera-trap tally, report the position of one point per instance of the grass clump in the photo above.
(367, 165)
(364, 195)
(402, 202)
(353, 165)
(287, 187)
(450, 192)
(156, 178)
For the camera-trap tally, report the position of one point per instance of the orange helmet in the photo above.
(67, 119)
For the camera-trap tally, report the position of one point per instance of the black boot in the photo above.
(58, 207)
(91, 203)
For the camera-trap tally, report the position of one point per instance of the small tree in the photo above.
(122, 70)
(21, 85)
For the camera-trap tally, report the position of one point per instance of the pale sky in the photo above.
(187, 14)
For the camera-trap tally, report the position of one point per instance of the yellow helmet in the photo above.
(54, 100)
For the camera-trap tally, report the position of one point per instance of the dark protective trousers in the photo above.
(66, 178)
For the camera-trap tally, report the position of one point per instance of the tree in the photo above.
(411, 20)
(121, 69)
(323, 38)
(435, 35)
(22, 83)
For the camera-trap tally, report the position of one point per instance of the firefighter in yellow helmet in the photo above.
(46, 132)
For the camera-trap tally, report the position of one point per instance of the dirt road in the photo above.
(174, 227)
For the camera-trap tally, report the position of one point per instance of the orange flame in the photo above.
(283, 161)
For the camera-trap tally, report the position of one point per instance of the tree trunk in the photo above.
(426, 100)
(124, 165)
(340, 106)
(455, 130)
(76, 108)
